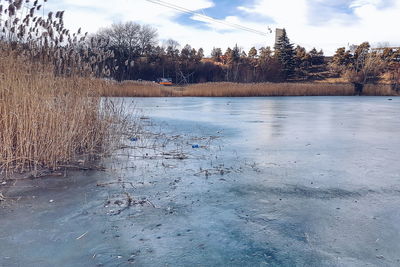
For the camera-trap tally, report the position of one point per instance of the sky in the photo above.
(324, 24)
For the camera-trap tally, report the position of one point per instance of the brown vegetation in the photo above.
(379, 90)
(47, 121)
(148, 89)
(50, 116)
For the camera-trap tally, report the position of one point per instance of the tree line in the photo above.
(130, 51)
(138, 55)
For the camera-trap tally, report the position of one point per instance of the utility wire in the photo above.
(184, 10)
(188, 11)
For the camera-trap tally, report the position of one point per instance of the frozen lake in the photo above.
(293, 181)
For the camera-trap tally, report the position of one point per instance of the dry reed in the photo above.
(50, 116)
(379, 90)
(148, 89)
(48, 121)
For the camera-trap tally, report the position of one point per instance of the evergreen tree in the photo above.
(253, 52)
(236, 54)
(199, 55)
(301, 57)
(321, 57)
(172, 53)
(228, 56)
(284, 53)
(360, 55)
(317, 58)
(185, 53)
(302, 62)
(341, 57)
(216, 54)
(265, 53)
(193, 55)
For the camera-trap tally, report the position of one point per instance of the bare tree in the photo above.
(129, 41)
(366, 68)
(172, 48)
(131, 37)
(122, 36)
(147, 39)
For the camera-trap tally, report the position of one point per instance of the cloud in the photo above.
(108, 12)
(326, 24)
(94, 14)
(330, 24)
(322, 12)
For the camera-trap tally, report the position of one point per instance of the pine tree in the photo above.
(317, 58)
(360, 55)
(199, 55)
(341, 57)
(253, 52)
(228, 56)
(265, 53)
(216, 54)
(185, 53)
(301, 57)
(193, 55)
(236, 54)
(284, 53)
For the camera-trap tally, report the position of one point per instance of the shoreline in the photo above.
(228, 89)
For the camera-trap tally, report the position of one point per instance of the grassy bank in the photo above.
(148, 89)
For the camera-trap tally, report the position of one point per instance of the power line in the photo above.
(188, 11)
(185, 10)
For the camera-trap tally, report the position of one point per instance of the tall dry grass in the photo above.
(379, 90)
(148, 89)
(48, 121)
(268, 89)
(51, 111)
(137, 89)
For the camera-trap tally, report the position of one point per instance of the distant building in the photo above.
(278, 34)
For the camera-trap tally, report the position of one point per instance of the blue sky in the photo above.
(325, 24)
(222, 9)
